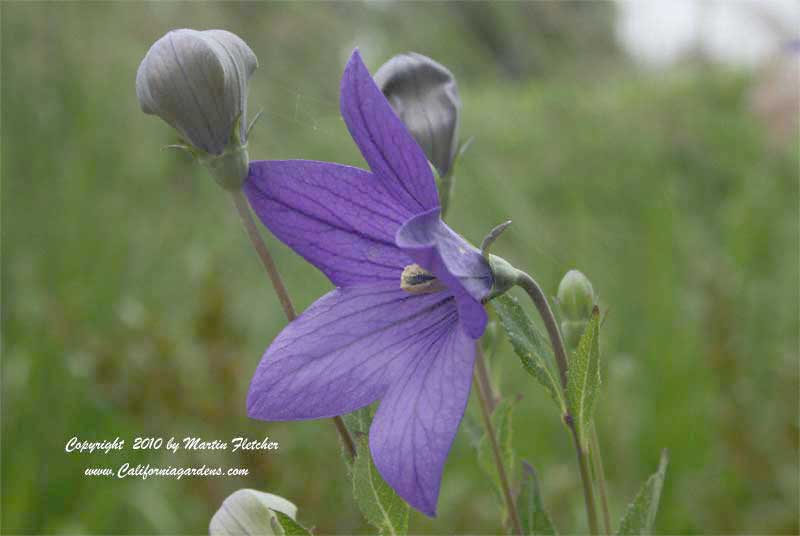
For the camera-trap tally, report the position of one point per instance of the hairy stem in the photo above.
(263, 253)
(243, 209)
(482, 373)
(586, 479)
(600, 477)
(498, 460)
(540, 301)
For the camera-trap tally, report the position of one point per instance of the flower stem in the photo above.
(263, 253)
(600, 476)
(243, 209)
(482, 373)
(446, 184)
(586, 480)
(540, 301)
(501, 471)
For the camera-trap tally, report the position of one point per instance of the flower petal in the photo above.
(459, 265)
(339, 218)
(241, 67)
(391, 152)
(344, 351)
(417, 420)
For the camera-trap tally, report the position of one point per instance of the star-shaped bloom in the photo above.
(401, 325)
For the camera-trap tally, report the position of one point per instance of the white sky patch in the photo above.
(744, 33)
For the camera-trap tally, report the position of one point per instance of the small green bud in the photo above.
(572, 331)
(576, 297)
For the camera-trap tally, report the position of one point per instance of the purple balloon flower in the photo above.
(401, 324)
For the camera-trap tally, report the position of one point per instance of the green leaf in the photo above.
(290, 526)
(357, 423)
(473, 428)
(641, 513)
(530, 345)
(535, 520)
(360, 420)
(583, 378)
(381, 506)
(501, 422)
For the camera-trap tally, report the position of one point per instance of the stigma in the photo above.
(417, 280)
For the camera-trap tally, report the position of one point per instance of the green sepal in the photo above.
(289, 526)
(229, 169)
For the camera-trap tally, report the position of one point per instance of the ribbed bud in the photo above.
(424, 94)
(196, 81)
(250, 512)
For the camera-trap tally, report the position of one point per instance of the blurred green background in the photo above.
(132, 304)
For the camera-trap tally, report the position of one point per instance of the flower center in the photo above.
(417, 280)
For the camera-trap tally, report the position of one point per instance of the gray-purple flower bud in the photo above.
(196, 81)
(424, 94)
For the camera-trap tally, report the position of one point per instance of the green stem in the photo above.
(498, 460)
(483, 376)
(263, 253)
(243, 209)
(586, 480)
(600, 476)
(540, 301)
(446, 184)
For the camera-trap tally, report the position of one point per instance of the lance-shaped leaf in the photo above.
(501, 422)
(529, 344)
(583, 378)
(533, 516)
(358, 422)
(381, 506)
(248, 512)
(641, 513)
(288, 526)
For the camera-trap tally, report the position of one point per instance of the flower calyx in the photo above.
(504, 275)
